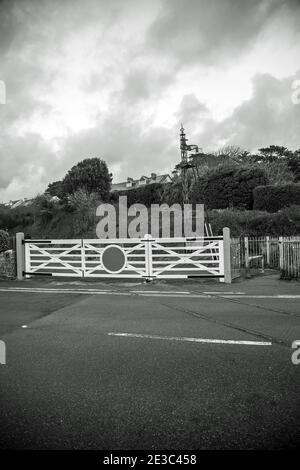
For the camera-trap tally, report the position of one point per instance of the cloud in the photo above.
(191, 110)
(115, 79)
(26, 165)
(143, 83)
(208, 32)
(128, 147)
(268, 117)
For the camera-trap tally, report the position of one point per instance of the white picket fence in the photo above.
(258, 253)
(290, 256)
(149, 258)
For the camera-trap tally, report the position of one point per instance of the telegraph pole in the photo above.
(185, 165)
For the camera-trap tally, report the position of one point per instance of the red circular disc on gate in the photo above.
(113, 259)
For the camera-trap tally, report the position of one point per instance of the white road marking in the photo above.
(222, 292)
(255, 296)
(45, 290)
(190, 296)
(193, 340)
(54, 289)
(160, 292)
(63, 291)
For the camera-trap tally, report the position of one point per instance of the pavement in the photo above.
(163, 365)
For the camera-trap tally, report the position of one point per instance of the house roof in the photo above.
(119, 186)
(18, 202)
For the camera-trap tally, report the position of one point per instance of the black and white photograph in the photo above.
(149, 229)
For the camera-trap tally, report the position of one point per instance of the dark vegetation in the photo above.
(274, 198)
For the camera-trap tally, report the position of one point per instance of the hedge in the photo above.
(228, 187)
(285, 222)
(147, 195)
(272, 198)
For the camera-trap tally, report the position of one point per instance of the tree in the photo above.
(278, 172)
(90, 175)
(228, 156)
(232, 154)
(228, 187)
(274, 153)
(55, 189)
(294, 164)
(274, 160)
(43, 207)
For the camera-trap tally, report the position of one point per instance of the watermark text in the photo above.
(161, 220)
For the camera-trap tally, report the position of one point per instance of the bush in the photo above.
(228, 187)
(173, 193)
(256, 223)
(4, 241)
(84, 207)
(147, 195)
(273, 198)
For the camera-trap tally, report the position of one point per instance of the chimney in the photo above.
(153, 176)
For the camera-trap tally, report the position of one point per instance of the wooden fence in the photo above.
(149, 258)
(249, 254)
(290, 253)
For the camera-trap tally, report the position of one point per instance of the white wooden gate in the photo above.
(183, 257)
(147, 257)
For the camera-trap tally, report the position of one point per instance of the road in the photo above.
(127, 365)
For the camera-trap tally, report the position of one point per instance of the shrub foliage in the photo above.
(273, 198)
(228, 187)
(147, 195)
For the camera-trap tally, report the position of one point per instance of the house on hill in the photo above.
(18, 203)
(132, 183)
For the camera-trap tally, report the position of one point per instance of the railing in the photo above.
(290, 253)
(262, 251)
(236, 259)
(255, 253)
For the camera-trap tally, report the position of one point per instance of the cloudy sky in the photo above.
(116, 78)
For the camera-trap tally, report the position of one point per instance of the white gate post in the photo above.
(226, 255)
(148, 256)
(82, 254)
(20, 255)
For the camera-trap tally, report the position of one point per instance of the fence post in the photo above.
(268, 250)
(148, 256)
(280, 252)
(20, 255)
(82, 254)
(226, 255)
(246, 242)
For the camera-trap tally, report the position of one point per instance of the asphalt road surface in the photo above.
(156, 366)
